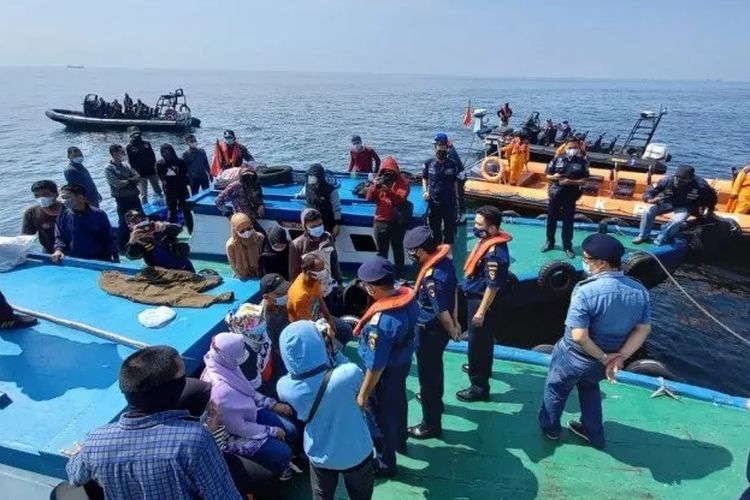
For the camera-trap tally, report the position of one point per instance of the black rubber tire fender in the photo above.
(644, 268)
(614, 221)
(278, 174)
(510, 213)
(557, 277)
(650, 367)
(582, 218)
(542, 217)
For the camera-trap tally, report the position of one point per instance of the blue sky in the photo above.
(665, 39)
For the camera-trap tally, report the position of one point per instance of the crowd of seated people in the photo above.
(99, 108)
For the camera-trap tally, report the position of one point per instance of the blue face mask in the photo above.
(316, 232)
(480, 233)
(281, 301)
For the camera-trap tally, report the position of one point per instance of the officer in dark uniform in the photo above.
(565, 174)
(440, 189)
(437, 322)
(386, 344)
(486, 272)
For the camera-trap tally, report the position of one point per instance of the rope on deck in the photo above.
(98, 332)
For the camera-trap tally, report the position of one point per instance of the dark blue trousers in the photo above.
(481, 345)
(389, 409)
(432, 342)
(568, 369)
(561, 207)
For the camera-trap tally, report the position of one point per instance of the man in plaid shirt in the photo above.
(153, 451)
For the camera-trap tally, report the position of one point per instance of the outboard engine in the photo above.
(655, 151)
(481, 123)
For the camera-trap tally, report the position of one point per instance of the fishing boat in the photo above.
(171, 114)
(58, 383)
(612, 195)
(636, 154)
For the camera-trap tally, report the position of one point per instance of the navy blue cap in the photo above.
(440, 138)
(376, 269)
(356, 138)
(603, 247)
(417, 237)
(229, 133)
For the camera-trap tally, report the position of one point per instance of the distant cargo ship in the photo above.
(75, 66)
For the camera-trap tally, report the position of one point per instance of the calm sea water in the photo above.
(297, 119)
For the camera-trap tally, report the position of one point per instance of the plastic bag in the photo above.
(13, 250)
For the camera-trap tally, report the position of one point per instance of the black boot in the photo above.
(422, 431)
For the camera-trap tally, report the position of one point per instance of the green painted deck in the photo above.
(656, 448)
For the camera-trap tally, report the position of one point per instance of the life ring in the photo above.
(484, 169)
(644, 268)
(170, 114)
(557, 278)
(543, 348)
(650, 367)
(184, 108)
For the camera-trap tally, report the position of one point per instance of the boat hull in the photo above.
(76, 120)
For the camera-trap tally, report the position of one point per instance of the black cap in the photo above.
(376, 269)
(356, 138)
(417, 237)
(229, 133)
(273, 282)
(603, 247)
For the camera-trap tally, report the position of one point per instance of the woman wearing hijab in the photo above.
(322, 196)
(254, 422)
(173, 173)
(244, 247)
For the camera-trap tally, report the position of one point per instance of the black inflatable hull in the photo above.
(75, 120)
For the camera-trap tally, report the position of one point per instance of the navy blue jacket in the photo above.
(575, 168)
(78, 174)
(441, 178)
(695, 195)
(85, 235)
(437, 293)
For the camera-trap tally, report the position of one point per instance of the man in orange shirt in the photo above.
(306, 298)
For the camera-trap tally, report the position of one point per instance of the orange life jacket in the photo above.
(226, 157)
(442, 252)
(403, 296)
(481, 248)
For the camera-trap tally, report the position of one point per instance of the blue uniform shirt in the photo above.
(437, 293)
(441, 178)
(388, 338)
(491, 272)
(610, 305)
(575, 168)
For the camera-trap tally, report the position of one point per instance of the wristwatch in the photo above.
(603, 359)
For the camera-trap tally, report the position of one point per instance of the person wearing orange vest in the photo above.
(517, 153)
(739, 200)
(437, 323)
(386, 345)
(486, 272)
(229, 154)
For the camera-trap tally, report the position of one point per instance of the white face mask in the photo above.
(77, 160)
(322, 276)
(245, 234)
(571, 152)
(316, 232)
(586, 268)
(46, 201)
(229, 141)
(312, 180)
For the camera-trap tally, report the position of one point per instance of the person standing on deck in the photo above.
(123, 184)
(437, 323)
(439, 188)
(487, 280)
(246, 196)
(76, 173)
(362, 159)
(386, 345)
(199, 169)
(739, 200)
(9, 320)
(684, 194)
(82, 231)
(517, 153)
(504, 114)
(608, 320)
(173, 173)
(40, 219)
(229, 154)
(460, 182)
(565, 175)
(323, 196)
(143, 160)
(390, 192)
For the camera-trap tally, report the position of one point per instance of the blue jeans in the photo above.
(275, 453)
(568, 369)
(668, 230)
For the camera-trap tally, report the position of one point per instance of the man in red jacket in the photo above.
(362, 158)
(390, 191)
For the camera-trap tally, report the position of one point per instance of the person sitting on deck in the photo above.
(274, 290)
(323, 196)
(156, 243)
(307, 298)
(76, 173)
(229, 154)
(608, 320)
(362, 159)
(255, 423)
(319, 387)
(154, 450)
(82, 231)
(315, 239)
(275, 257)
(246, 196)
(684, 194)
(40, 219)
(244, 247)
(10, 320)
